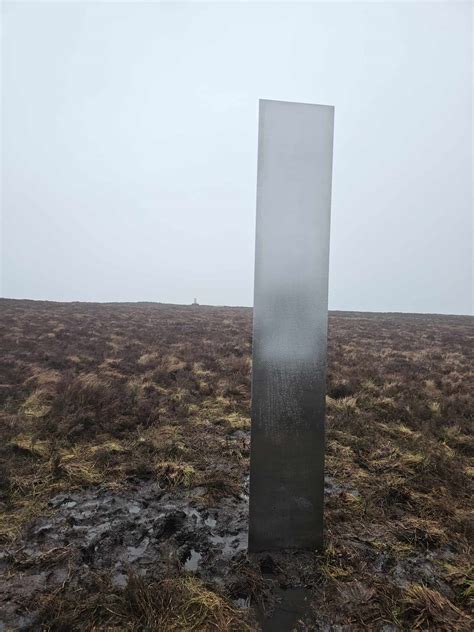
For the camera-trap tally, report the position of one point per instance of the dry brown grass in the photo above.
(428, 609)
(116, 393)
(177, 604)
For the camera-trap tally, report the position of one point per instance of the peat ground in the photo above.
(124, 457)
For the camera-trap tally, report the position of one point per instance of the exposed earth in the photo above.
(124, 448)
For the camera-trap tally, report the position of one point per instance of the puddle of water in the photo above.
(119, 580)
(240, 434)
(331, 487)
(242, 602)
(194, 514)
(192, 561)
(210, 521)
(292, 606)
(231, 544)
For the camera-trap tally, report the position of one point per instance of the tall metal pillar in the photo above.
(295, 149)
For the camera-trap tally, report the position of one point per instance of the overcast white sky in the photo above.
(129, 147)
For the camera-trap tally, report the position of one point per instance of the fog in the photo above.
(129, 147)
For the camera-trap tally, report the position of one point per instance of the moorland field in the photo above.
(124, 458)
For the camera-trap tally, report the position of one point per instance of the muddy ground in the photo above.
(124, 474)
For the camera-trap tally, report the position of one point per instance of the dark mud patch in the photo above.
(143, 530)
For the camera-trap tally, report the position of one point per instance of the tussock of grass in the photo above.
(166, 441)
(181, 604)
(148, 359)
(36, 404)
(345, 405)
(428, 609)
(175, 474)
(30, 446)
(238, 421)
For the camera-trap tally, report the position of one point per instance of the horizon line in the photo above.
(196, 305)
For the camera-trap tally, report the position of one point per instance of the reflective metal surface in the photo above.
(290, 325)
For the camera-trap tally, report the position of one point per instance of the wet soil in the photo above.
(145, 530)
(142, 529)
(151, 532)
